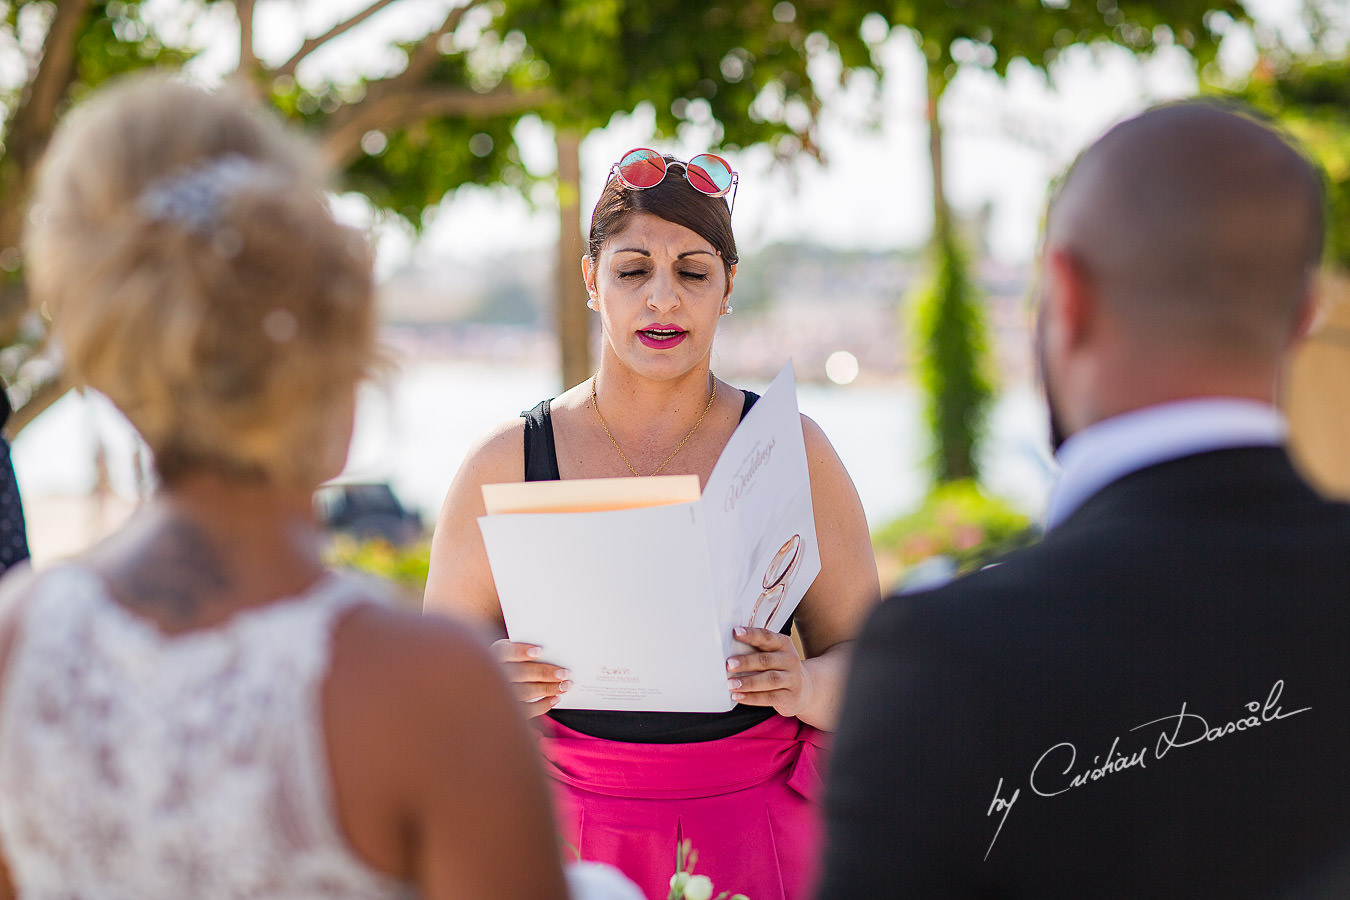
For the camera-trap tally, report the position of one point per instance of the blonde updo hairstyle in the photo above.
(230, 323)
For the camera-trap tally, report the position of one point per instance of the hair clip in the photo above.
(195, 198)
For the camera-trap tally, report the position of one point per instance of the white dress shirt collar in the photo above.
(1115, 447)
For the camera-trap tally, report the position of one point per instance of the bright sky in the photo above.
(1004, 140)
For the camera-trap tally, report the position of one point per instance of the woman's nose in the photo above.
(664, 293)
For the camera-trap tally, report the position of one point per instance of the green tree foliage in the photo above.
(445, 117)
(951, 346)
(64, 50)
(736, 68)
(405, 138)
(1311, 99)
(992, 33)
(739, 67)
(952, 349)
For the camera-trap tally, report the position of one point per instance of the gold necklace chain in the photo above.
(624, 456)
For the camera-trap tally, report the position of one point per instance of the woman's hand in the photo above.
(772, 676)
(537, 685)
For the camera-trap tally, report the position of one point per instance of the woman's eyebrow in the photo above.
(647, 253)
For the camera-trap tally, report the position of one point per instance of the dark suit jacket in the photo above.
(13, 534)
(1158, 693)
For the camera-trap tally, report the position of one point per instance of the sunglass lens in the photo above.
(642, 168)
(710, 174)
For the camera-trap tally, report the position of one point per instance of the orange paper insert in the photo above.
(589, 494)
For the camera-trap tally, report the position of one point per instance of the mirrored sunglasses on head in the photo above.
(708, 174)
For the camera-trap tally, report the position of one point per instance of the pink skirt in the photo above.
(747, 803)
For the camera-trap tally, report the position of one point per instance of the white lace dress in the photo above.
(139, 766)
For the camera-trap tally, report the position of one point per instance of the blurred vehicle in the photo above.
(367, 511)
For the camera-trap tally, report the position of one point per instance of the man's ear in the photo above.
(1070, 303)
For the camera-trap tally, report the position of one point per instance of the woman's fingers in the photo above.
(536, 673)
(515, 651)
(772, 675)
(772, 680)
(761, 662)
(530, 691)
(775, 687)
(772, 651)
(522, 662)
(539, 685)
(536, 697)
(761, 638)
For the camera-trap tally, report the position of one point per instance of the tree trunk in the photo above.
(937, 83)
(950, 332)
(31, 122)
(43, 396)
(574, 339)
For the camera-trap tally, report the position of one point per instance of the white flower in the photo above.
(698, 887)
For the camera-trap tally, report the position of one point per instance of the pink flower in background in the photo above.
(967, 537)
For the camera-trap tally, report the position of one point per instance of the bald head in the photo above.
(1197, 227)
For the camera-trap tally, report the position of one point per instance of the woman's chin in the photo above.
(663, 364)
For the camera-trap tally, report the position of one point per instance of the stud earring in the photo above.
(728, 309)
(593, 304)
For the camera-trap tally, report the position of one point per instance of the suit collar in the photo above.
(1257, 485)
(1109, 450)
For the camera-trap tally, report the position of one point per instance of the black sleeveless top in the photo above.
(541, 464)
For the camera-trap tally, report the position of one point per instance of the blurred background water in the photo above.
(414, 430)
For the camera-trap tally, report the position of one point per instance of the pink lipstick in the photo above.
(662, 337)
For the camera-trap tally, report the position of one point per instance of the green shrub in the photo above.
(956, 520)
(406, 566)
(1308, 98)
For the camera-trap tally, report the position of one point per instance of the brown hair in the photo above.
(230, 319)
(674, 200)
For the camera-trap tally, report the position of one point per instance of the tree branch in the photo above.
(13, 309)
(427, 51)
(341, 142)
(314, 43)
(402, 98)
(43, 396)
(248, 57)
(33, 121)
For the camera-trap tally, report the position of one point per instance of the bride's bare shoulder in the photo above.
(423, 682)
(418, 654)
(426, 742)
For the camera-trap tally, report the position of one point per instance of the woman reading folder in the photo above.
(740, 785)
(746, 542)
